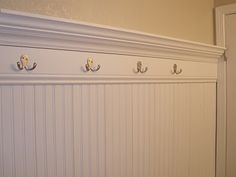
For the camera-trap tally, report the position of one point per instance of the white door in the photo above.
(230, 22)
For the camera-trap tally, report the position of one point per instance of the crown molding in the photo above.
(37, 31)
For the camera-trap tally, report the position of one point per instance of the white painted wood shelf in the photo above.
(60, 121)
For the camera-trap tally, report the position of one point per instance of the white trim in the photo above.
(220, 14)
(92, 79)
(23, 29)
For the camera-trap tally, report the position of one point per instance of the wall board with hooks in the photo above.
(79, 100)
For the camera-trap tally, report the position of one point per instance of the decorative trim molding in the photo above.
(220, 16)
(76, 79)
(23, 29)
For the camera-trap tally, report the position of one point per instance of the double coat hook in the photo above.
(175, 71)
(24, 63)
(89, 66)
(140, 68)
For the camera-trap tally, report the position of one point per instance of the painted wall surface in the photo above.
(185, 19)
(223, 2)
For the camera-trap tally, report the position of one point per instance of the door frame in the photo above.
(221, 13)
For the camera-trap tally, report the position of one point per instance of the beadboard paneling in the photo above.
(112, 130)
(119, 135)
